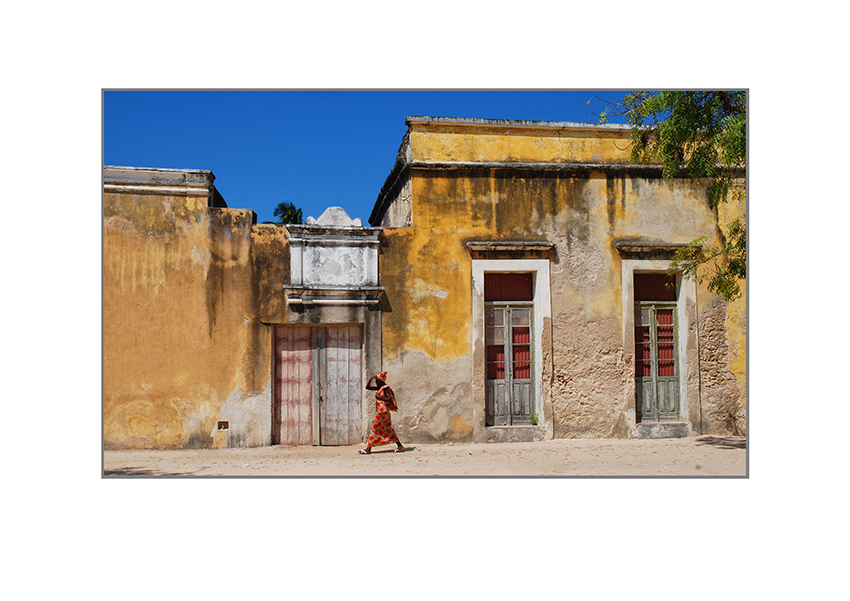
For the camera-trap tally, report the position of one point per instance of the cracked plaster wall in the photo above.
(590, 386)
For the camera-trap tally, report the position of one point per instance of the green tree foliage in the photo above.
(287, 213)
(704, 134)
(729, 261)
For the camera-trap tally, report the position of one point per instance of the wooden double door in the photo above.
(318, 385)
(656, 367)
(656, 352)
(509, 394)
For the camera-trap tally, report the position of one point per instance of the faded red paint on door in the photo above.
(318, 385)
(293, 419)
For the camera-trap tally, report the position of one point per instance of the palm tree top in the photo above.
(287, 213)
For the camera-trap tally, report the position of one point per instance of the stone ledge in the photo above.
(514, 433)
(662, 430)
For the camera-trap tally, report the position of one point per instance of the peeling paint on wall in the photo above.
(432, 398)
(193, 289)
(180, 323)
(472, 181)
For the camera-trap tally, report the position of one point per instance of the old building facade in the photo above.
(219, 332)
(513, 284)
(525, 265)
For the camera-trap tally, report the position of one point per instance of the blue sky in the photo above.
(313, 148)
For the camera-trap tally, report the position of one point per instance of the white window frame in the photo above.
(685, 302)
(542, 310)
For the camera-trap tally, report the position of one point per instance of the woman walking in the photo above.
(382, 432)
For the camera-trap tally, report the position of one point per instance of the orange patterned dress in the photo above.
(382, 432)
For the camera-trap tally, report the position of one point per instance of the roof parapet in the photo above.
(162, 182)
(411, 119)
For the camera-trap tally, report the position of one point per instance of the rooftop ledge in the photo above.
(157, 176)
(162, 182)
(516, 123)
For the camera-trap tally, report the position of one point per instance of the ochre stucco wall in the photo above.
(183, 345)
(426, 269)
(271, 260)
(732, 329)
(445, 142)
(191, 294)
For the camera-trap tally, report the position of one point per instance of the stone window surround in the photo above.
(685, 305)
(542, 311)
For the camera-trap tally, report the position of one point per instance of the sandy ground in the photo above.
(699, 456)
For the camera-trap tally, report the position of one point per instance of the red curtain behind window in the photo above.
(495, 362)
(666, 348)
(653, 287)
(522, 353)
(508, 287)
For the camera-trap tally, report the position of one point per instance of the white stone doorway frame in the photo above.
(686, 340)
(542, 311)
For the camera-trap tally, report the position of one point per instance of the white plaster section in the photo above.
(542, 309)
(332, 262)
(422, 290)
(333, 251)
(249, 417)
(685, 302)
(370, 261)
(335, 217)
(296, 258)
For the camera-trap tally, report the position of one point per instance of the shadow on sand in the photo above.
(140, 471)
(380, 451)
(723, 442)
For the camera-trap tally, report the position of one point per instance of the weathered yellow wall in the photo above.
(188, 288)
(441, 142)
(271, 260)
(428, 264)
(426, 269)
(183, 345)
(736, 326)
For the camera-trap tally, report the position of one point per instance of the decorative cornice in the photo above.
(359, 295)
(647, 248)
(321, 234)
(156, 190)
(149, 176)
(510, 249)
